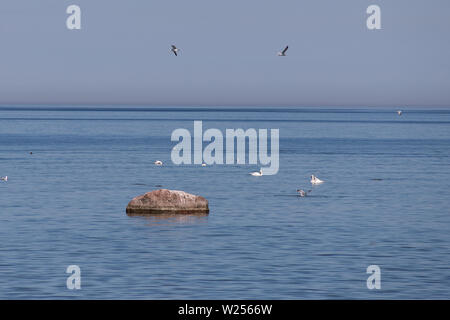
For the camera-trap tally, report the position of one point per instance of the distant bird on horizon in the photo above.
(315, 180)
(158, 163)
(283, 53)
(175, 50)
(4, 178)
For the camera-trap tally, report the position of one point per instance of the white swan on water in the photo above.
(158, 163)
(257, 173)
(4, 178)
(315, 180)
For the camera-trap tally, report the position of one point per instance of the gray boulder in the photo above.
(167, 201)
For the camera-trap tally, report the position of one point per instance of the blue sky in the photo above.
(121, 55)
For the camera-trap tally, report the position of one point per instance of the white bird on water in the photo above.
(315, 180)
(4, 178)
(399, 112)
(283, 53)
(174, 50)
(158, 163)
(257, 173)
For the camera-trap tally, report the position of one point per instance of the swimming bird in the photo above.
(303, 193)
(315, 180)
(174, 50)
(399, 112)
(158, 163)
(256, 173)
(203, 164)
(283, 53)
(4, 178)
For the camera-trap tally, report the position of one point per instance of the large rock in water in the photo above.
(167, 201)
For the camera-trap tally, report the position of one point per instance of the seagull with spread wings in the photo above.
(174, 50)
(303, 193)
(283, 53)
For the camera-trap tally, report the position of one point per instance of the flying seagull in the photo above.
(303, 193)
(174, 50)
(283, 53)
(4, 178)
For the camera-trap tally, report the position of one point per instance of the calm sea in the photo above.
(385, 202)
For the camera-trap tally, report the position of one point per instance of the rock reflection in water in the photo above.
(172, 218)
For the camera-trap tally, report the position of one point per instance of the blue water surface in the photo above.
(385, 202)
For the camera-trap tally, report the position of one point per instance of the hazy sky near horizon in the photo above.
(229, 53)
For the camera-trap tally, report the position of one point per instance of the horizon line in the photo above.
(144, 105)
